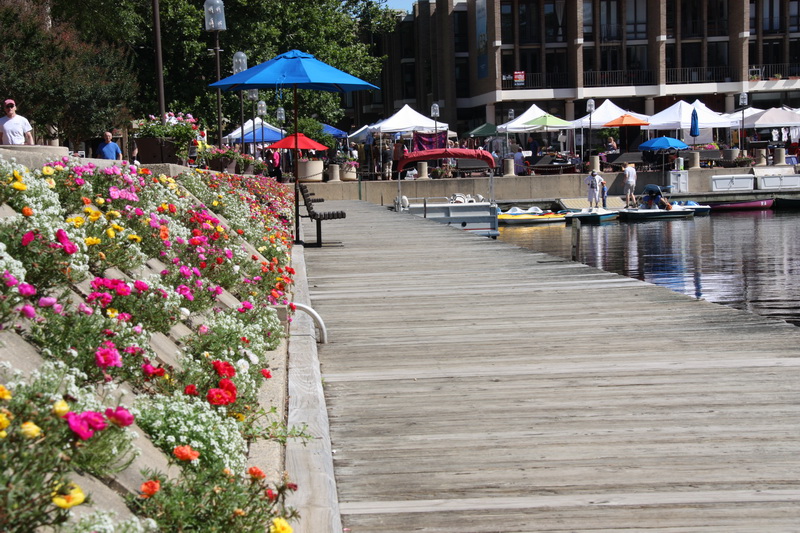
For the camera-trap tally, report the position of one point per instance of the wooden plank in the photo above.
(474, 386)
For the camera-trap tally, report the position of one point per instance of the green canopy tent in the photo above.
(484, 130)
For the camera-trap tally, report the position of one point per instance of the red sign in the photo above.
(519, 78)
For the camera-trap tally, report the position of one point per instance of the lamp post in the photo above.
(743, 103)
(240, 65)
(261, 109)
(162, 109)
(280, 115)
(435, 117)
(510, 118)
(252, 95)
(590, 110)
(215, 21)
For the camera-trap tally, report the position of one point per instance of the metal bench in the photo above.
(318, 216)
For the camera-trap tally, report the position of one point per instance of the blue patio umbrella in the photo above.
(261, 135)
(298, 70)
(336, 132)
(662, 143)
(694, 131)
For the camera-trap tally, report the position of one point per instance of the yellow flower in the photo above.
(77, 221)
(111, 233)
(50, 183)
(30, 430)
(111, 312)
(4, 421)
(69, 496)
(117, 227)
(99, 201)
(48, 171)
(91, 241)
(5, 394)
(280, 525)
(238, 416)
(3, 434)
(59, 168)
(18, 185)
(113, 214)
(215, 203)
(135, 238)
(220, 229)
(60, 408)
(17, 175)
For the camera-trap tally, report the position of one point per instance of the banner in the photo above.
(428, 141)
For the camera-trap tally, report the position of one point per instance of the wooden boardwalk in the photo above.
(472, 386)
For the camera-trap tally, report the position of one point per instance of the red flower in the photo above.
(228, 385)
(150, 488)
(266, 373)
(219, 397)
(191, 390)
(224, 369)
(256, 473)
(185, 453)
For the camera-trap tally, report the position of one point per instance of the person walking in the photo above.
(630, 185)
(592, 182)
(108, 149)
(519, 162)
(14, 129)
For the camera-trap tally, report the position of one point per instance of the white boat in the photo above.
(592, 215)
(532, 215)
(475, 215)
(654, 213)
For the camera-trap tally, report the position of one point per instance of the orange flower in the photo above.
(185, 453)
(27, 211)
(256, 473)
(163, 233)
(150, 488)
(85, 200)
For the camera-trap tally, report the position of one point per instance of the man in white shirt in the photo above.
(630, 185)
(14, 129)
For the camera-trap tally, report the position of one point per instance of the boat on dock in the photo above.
(640, 213)
(592, 215)
(532, 215)
(699, 209)
(743, 205)
(475, 215)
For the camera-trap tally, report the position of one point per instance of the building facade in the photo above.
(478, 59)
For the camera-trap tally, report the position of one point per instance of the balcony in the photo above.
(699, 75)
(537, 80)
(774, 70)
(612, 78)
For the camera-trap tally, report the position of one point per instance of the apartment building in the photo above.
(478, 59)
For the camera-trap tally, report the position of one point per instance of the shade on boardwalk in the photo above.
(473, 386)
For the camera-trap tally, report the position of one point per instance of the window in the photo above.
(610, 58)
(718, 54)
(462, 77)
(555, 29)
(690, 55)
(692, 23)
(610, 29)
(529, 22)
(460, 31)
(506, 23)
(407, 40)
(771, 11)
(588, 59)
(588, 21)
(408, 81)
(717, 22)
(794, 16)
(637, 58)
(636, 20)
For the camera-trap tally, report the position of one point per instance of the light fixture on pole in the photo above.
(240, 65)
(435, 117)
(590, 110)
(510, 118)
(252, 95)
(261, 109)
(743, 104)
(280, 114)
(215, 21)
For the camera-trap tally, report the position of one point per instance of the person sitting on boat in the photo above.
(593, 184)
(652, 199)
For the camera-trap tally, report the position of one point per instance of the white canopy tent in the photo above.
(736, 116)
(407, 120)
(248, 127)
(604, 113)
(360, 135)
(679, 117)
(773, 118)
(518, 124)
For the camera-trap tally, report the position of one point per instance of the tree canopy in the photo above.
(84, 66)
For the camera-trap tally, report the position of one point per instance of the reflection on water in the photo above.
(748, 260)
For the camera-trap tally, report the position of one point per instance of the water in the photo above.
(748, 260)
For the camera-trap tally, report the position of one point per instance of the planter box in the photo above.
(157, 150)
(222, 164)
(348, 173)
(310, 170)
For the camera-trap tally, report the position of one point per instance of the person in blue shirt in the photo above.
(108, 149)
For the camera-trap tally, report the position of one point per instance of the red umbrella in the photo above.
(303, 143)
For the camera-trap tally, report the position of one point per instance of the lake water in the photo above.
(747, 259)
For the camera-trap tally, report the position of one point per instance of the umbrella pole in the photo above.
(296, 166)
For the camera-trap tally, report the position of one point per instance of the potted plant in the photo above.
(167, 141)
(744, 161)
(349, 171)
(244, 164)
(222, 160)
(310, 169)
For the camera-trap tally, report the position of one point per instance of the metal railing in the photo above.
(537, 80)
(618, 77)
(699, 74)
(775, 70)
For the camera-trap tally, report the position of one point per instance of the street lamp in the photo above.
(280, 114)
(510, 118)
(590, 110)
(240, 65)
(252, 95)
(435, 117)
(261, 109)
(742, 103)
(215, 21)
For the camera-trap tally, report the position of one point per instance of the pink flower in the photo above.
(202, 329)
(94, 420)
(107, 355)
(85, 309)
(47, 301)
(28, 238)
(62, 237)
(119, 416)
(11, 281)
(141, 286)
(78, 426)
(26, 290)
(185, 291)
(28, 311)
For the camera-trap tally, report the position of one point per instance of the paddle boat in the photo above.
(592, 215)
(651, 205)
(532, 215)
(699, 210)
(472, 214)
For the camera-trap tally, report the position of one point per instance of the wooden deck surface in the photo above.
(473, 386)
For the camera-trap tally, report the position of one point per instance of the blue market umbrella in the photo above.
(662, 143)
(261, 135)
(694, 131)
(298, 70)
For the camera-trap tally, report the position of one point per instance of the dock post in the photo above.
(576, 238)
